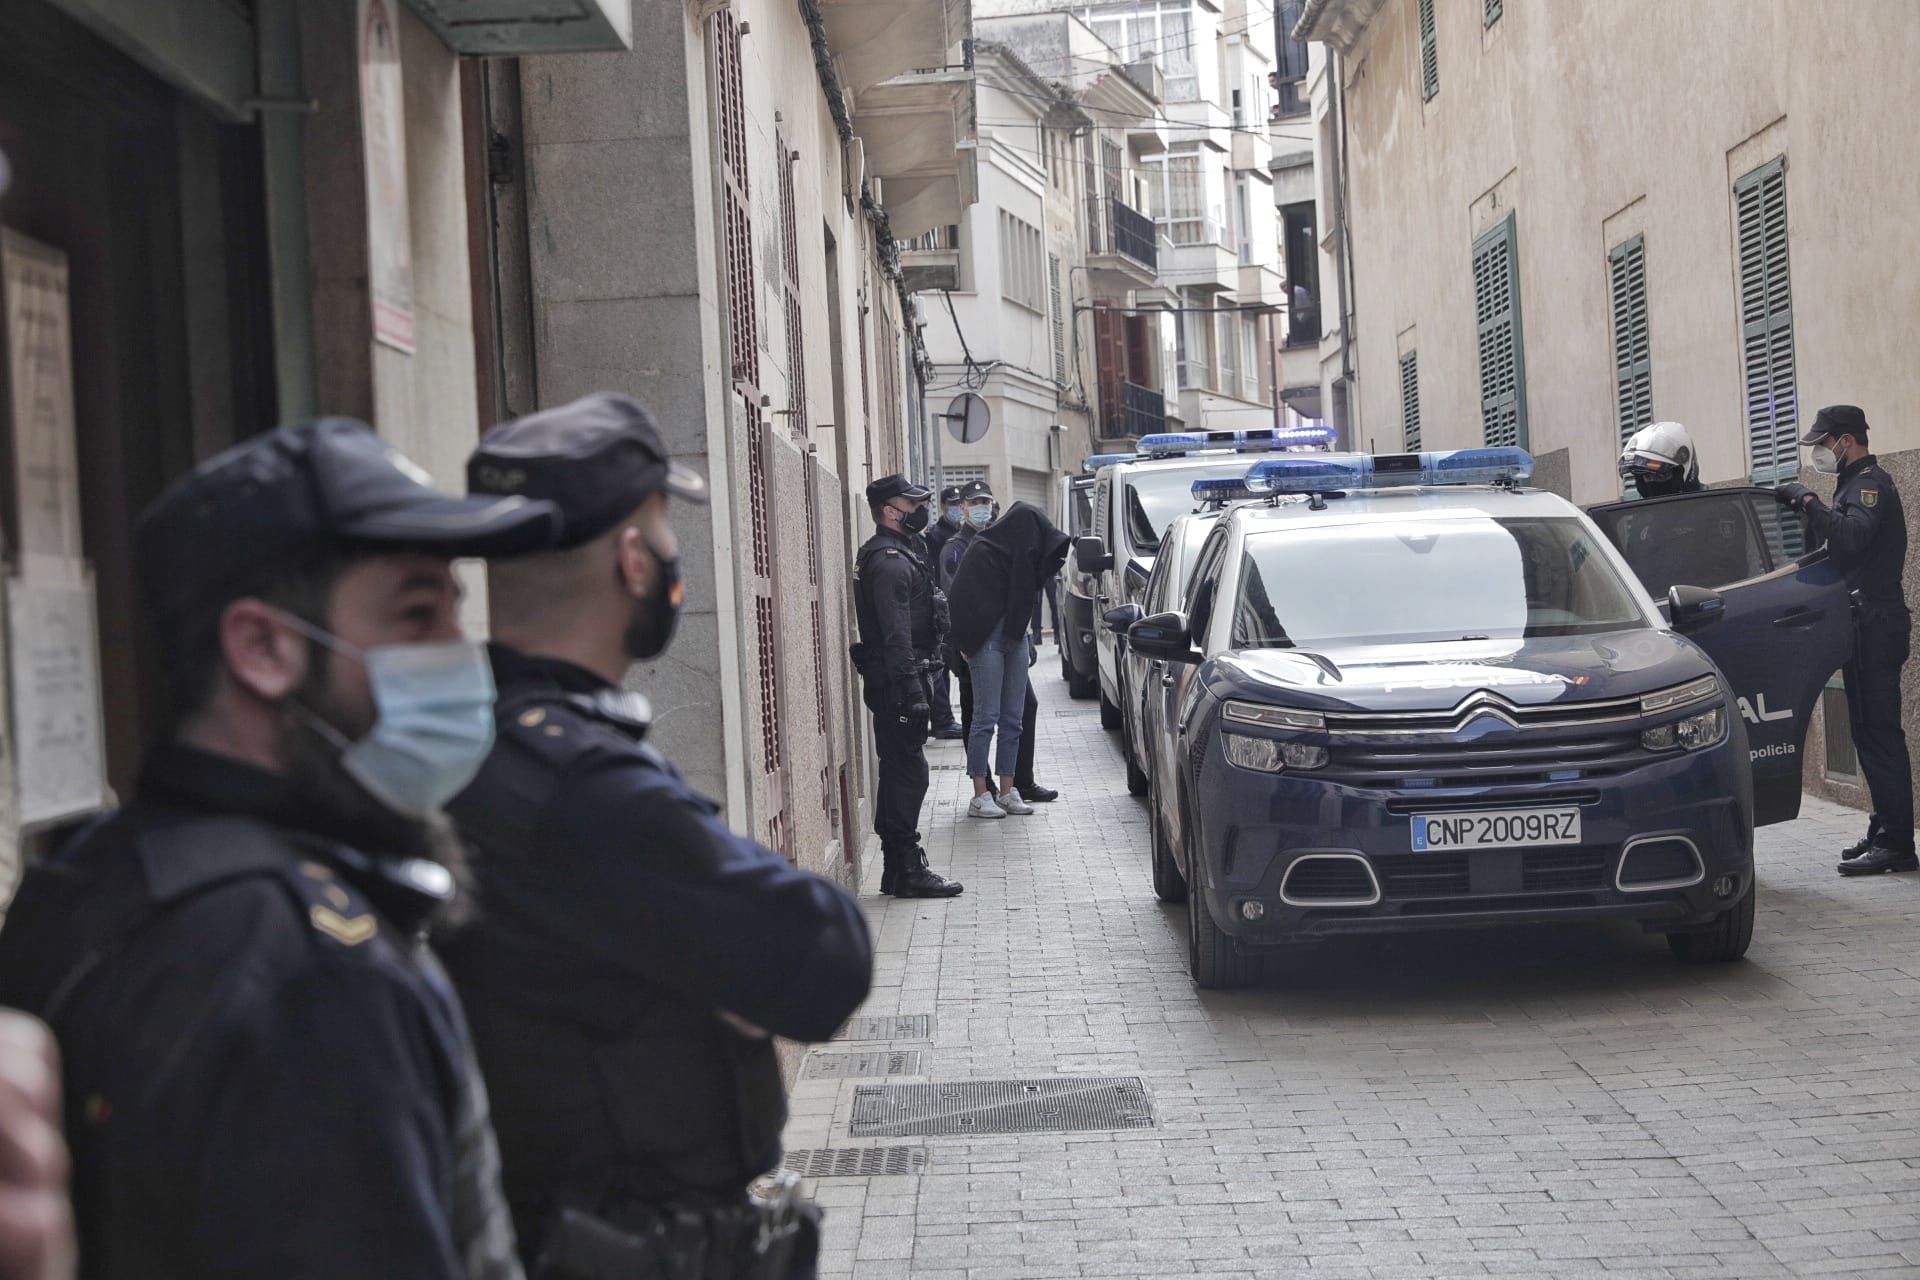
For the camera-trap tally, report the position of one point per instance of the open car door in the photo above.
(1787, 625)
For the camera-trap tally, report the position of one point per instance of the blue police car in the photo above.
(1430, 697)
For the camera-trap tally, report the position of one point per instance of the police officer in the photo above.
(1659, 459)
(952, 517)
(266, 1072)
(894, 605)
(1866, 534)
(632, 956)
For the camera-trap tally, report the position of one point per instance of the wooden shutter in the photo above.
(1059, 320)
(1766, 324)
(1496, 304)
(1410, 401)
(1110, 364)
(790, 289)
(1429, 54)
(1632, 358)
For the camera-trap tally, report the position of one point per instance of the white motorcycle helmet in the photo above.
(1659, 460)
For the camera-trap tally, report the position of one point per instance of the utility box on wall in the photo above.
(506, 27)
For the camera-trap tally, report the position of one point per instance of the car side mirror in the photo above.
(1163, 636)
(1122, 616)
(1090, 553)
(1692, 609)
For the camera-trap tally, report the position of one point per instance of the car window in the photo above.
(1079, 509)
(1157, 592)
(1707, 539)
(1101, 488)
(1205, 581)
(1429, 581)
(1156, 497)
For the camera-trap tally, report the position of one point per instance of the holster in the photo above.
(770, 1235)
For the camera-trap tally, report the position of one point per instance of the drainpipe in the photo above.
(1345, 256)
(1273, 367)
(284, 166)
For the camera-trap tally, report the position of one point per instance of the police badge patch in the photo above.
(1869, 496)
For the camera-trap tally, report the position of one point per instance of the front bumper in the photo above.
(1254, 826)
(1076, 622)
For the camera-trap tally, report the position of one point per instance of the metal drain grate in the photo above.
(856, 1162)
(877, 1062)
(1051, 1104)
(908, 1026)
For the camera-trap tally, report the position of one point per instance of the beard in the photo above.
(340, 807)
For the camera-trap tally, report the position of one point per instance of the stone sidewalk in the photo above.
(1523, 1102)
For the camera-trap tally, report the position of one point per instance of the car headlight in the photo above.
(1273, 717)
(1691, 734)
(1271, 755)
(1679, 695)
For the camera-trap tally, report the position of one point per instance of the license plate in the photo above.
(1495, 829)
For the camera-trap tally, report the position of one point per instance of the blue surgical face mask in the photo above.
(981, 514)
(956, 514)
(434, 720)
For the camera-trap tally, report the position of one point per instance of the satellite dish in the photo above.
(968, 417)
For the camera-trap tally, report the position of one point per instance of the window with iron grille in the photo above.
(790, 289)
(1496, 304)
(730, 106)
(1489, 12)
(1410, 401)
(1429, 54)
(1766, 323)
(1632, 357)
(1059, 320)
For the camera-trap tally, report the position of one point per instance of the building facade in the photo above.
(1556, 223)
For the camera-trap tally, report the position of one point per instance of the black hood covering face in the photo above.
(999, 579)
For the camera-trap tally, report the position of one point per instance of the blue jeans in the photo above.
(999, 672)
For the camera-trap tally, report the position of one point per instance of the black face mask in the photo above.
(915, 520)
(650, 630)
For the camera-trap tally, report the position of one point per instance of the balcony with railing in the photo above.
(1123, 246)
(1135, 411)
(931, 260)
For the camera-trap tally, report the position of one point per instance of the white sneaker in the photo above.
(984, 807)
(1014, 802)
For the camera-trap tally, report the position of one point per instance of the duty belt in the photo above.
(772, 1234)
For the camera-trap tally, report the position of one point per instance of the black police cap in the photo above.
(887, 488)
(975, 489)
(303, 490)
(597, 459)
(950, 494)
(1837, 420)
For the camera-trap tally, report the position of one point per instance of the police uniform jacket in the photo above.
(618, 919)
(266, 1071)
(1866, 531)
(955, 548)
(893, 606)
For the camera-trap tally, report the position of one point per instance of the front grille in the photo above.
(1504, 761)
(1557, 870)
(1658, 862)
(1407, 806)
(1414, 877)
(1421, 875)
(1322, 879)
(1533, 902)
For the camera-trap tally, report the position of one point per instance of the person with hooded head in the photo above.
(1866, 532)
(993, 595)
(633, 957)
(953, 516)
(266, 1071)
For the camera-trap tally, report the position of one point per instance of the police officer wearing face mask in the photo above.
(952, 517)
(266, 1073)
(632, 957)
(893, 595)
(1866, 534)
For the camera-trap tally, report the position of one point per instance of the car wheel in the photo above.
(1081, 687)
(1727, 938)
(1136, 776)
(1109, 714)
(1212, 960)
(1168, 884)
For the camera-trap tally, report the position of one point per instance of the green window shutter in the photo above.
(1410, 401)
(1429, 54)
(1632, 358)
(1490, 12)
(1059, 320)
(1766, 324)
(1496, 304)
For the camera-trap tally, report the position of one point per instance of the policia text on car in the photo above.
(1866, 533)
(633, 956)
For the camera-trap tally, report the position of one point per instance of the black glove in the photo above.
(1033, 653)
(1793, 493)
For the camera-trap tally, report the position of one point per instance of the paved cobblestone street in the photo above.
(1523, 1102)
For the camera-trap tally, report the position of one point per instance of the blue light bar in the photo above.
(1172, 444)
(1317, 473)
(1227, 489)
(1094, 462)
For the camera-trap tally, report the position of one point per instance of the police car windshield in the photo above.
(1428, 581)
(1154, 496)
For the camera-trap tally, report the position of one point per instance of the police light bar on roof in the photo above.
(1174, 444)
(1324, 472)
(1095, 461)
